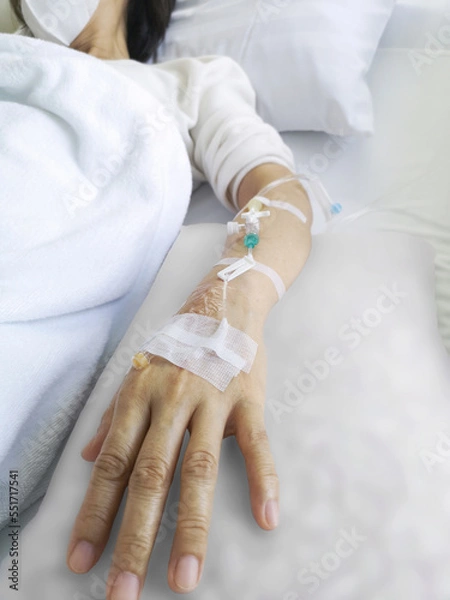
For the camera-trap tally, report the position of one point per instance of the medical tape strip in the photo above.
(207, 347)
(283, 205)
(215, 342)
(201, 362)
(273, 275)
(314, 188)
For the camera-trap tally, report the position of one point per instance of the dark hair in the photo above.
(147, 23)
(15, 5)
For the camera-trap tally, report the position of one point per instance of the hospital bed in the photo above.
(396, 181)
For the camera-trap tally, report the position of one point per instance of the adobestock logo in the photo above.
(333, 149)
(350, 337)
(436, 43)
(88, 189)
(439, 454)
(317, 572)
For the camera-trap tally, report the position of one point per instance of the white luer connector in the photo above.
(233, 227)
(251, 217)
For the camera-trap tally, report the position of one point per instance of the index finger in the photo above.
(108, 480)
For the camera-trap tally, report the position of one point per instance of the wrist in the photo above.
(249, 299)
(252, 288)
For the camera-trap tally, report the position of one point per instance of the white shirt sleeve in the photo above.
(214, 104)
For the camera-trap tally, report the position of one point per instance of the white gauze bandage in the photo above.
(207, 347)
(59, 21)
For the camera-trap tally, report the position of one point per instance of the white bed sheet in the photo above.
(384, 400)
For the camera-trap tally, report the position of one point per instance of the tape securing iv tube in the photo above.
(284, 205)
(271, 273)
(205, 346)
(314, 188)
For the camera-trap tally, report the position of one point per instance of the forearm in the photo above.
(285, 243)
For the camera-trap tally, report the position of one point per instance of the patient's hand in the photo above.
(138, 446)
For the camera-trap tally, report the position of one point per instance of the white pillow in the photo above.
(363, 456)
(307, 59)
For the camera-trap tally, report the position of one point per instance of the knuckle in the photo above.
(132, 551)
(112, 465)
(151, 473)
(270, 478)
(256, 437)
(200, 464)
(193, 526)
(95, 520)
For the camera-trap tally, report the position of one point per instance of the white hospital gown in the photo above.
(213, 103)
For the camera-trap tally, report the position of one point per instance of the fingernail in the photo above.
(272, 513)
(186, 572)
(82, 557)
(126, 587)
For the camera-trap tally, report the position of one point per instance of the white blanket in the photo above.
(93, 195)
